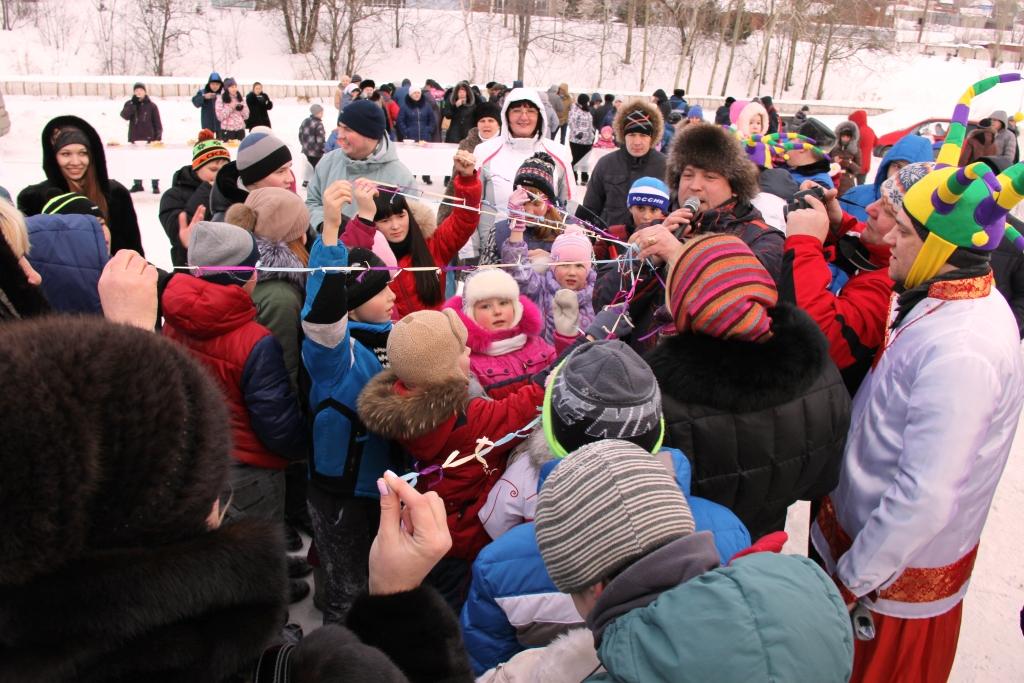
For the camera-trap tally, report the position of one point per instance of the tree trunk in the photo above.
(778, 70)
(732, 48)
(689, 73)
(630, 20)
(523, 21)
(718, 51)
(810, 67)
(6, 15)
(765, 54)
(826, 57)
(924, 22)
(398, 25)
(643, 57)
(467, 13)
(791, 60)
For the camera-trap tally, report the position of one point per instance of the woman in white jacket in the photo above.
(524, 131)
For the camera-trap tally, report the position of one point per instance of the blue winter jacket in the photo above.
(513, 603)
(416, 120)
(69, 253)
(208, 115)
(346, 459)
(912, 148)
(332, 142)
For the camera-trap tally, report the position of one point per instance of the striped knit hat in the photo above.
(605, 506)
(208, 148)
(719, 288)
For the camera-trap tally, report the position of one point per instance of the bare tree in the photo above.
(732, 47)
(159, 25)
(300, 23)
(329, 33)
(114, 52)
(630, 21)
(467, 22)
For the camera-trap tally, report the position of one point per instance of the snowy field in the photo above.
(991, 647)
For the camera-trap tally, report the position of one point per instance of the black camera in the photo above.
(799, 200)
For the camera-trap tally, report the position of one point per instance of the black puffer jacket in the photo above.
(763, 424)
(121, 218)
(187, 193)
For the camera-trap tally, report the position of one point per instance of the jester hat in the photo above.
(962, 207)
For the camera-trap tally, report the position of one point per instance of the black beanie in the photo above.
(72, 203)
(365, 118)
(114, 438)
(363, 285)
(486, 110)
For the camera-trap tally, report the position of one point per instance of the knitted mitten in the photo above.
(565, 310)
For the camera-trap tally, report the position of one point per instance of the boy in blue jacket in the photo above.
(346, 320)
(601, 390)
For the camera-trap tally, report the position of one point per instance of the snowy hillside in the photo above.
(74, 38)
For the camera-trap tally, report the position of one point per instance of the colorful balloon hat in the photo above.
(962, 207)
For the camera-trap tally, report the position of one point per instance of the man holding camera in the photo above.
(836, 270)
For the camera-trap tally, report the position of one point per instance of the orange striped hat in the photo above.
(719, 288)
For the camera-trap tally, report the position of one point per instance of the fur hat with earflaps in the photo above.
(962, 209)
(711, 148)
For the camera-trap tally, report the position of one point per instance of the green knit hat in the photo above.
(207, 149)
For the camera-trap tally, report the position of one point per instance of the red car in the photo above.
(934, 129)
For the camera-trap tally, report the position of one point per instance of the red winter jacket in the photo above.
(443, 244)
(854, 320)
(217, 323)
(867, 138)
(431, 425)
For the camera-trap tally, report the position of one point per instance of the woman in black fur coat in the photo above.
(113, 565)
(749, 392)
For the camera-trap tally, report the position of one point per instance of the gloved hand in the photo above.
(515, 209)
(565, 310)
(612, 322)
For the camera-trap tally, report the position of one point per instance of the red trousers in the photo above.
(908, 650)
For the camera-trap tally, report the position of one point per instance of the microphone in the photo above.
(691, 203)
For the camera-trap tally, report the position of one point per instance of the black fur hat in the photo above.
(112, 438)
(711, 148)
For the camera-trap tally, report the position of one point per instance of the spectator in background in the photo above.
(457, 117)
(867, 143)
(206, 100)
(5, 118)
(144, 125)
(341, 93)
(722, 117)
(678, 100)
(600, 110)
(581, 131)
(660, 100)
(563, 116)
(801, 116)
(259, 104)
(312, 137)
(231, 112)
(773, 114)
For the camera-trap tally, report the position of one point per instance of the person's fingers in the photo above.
(814, 203)
(808, 184)
(831, 194)
(390, 506)
(182, 221)
(437, 509)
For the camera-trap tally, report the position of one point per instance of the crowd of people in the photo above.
(544, 425)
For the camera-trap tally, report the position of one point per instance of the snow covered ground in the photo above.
(990, 649)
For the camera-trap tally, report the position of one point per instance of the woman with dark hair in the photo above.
(393, 216)
(259, 104)
(73, 161)
(232, 111)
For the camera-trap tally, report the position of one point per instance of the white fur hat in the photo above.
(488, 283)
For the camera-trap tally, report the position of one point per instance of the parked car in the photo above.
(934, 129)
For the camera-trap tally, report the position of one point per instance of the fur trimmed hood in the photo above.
(848, 127)
(741, 376)
(531, 324)
(425, 216)
(409, 415)
(201, 609)
(652, 112)
(753, 110)
(279, 255)
(712, 148)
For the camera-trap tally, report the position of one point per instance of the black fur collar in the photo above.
(743, 376)
(199, 610)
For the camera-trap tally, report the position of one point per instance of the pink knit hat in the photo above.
(573, 246)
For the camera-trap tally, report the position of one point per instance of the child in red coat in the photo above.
(427, 402)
